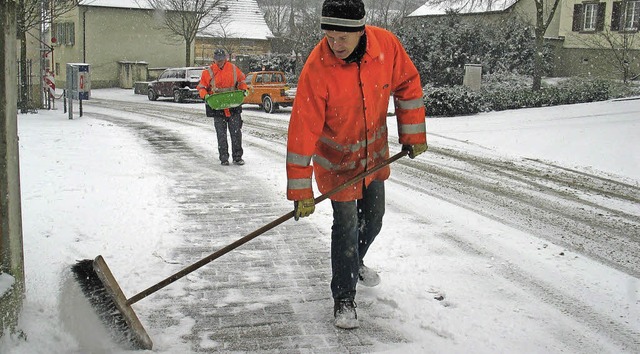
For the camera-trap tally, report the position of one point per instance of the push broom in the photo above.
(114, 309)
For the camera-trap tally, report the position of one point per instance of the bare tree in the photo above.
(223, 34)
(379, 12)
(389, 13)
(545, 11)
(277, 14)
(185, 18)
(32, 14)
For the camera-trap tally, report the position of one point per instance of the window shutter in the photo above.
(602, 7)
(577, 18)
(615, 16)
(62, 34)
(71, 40)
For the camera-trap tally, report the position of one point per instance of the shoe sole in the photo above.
(347, 323)
(369, 284)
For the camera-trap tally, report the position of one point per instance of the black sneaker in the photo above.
(224, 163)
(239, 162)
(344, 312)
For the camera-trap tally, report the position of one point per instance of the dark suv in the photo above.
(179, 83)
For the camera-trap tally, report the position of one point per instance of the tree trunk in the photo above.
(537, 62)
(539, 31)
(187, 53)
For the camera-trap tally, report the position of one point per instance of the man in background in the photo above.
(223, 76)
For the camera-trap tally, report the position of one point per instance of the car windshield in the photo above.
(194, 73)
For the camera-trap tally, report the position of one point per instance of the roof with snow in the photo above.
(432, 8)
(242, 18)
(122, 4)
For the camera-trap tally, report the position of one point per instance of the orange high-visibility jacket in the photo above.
(339, 116)
(229, 78)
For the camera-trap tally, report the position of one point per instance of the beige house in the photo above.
(579, 30)
(599, 37)
(113, 37)
(124, 41)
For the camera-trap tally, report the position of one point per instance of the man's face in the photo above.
(343, 43)
(220, 63)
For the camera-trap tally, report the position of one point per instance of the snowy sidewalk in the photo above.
(271, 294)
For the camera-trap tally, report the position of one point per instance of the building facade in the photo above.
(109, 38)
(124, 41)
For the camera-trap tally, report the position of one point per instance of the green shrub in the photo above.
(508, 91)
(451, 101)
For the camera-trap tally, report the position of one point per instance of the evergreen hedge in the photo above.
(509, 93)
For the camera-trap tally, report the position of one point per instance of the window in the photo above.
(195, 73)
(64, 33)
(590, 13)
(248, 79)
(625, 16)
(588, 17)
(631, 15)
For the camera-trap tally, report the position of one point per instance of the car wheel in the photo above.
(267, 104)
(152, 95)
(177, 96)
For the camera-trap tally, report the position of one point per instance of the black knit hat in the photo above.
(342, 15)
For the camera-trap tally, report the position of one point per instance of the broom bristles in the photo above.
(104, 305)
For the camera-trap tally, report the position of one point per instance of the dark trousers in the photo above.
(234, 125)
(355, 225)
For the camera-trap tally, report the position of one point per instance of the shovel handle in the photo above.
(224, 250)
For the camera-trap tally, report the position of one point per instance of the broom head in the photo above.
(106, 297)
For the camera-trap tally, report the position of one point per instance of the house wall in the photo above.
(134, 35)
(35, 67)
(588, 53)
(592, 62)
(582, 39)
(526, 11)
(205, 46)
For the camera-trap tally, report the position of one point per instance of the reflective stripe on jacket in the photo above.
(339, 116)
(229, 78)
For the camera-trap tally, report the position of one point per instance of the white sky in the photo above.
(89, 187)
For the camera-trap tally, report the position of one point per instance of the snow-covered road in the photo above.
(481, 251)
